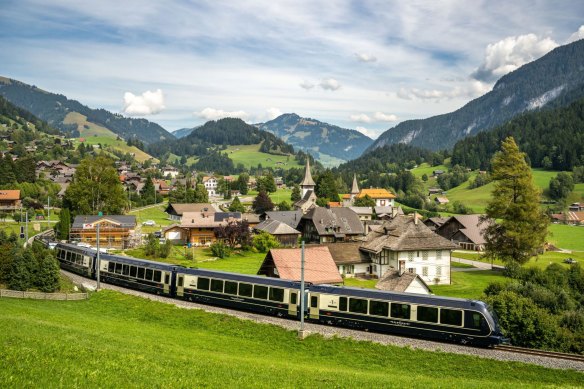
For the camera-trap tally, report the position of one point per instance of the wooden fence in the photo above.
(42, 296)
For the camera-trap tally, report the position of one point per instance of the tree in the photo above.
(236, 205)
(262, 203)
(242, 183)
(234, 233)
(201, 194)
(284, 206)
(165, 249)
(148, 192)
(63, 227)
(561, 186)
(47, 277)
(365, 201)
(522, 228)
(296, 194)
(21, 270)
(326, 186)
(264, 242)
(96, 187)
(152, 245)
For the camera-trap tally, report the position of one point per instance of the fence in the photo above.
(42, 296)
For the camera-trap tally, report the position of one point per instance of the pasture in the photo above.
(115, 340)
(250, 156)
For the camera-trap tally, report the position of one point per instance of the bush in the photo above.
(165, 249)
(220, 249)
(263, 242)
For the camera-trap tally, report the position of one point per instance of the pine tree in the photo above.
(201, 194)
(236, 205)
(47, 275)
(21, 271)
(522, 226)
(295, 196)
(64, 225)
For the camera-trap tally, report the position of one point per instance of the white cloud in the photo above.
(215, 114)
(366, 132)
(329, 84)
(472, 89)
(577, 35)
(273, 113)
(382, 117)
(148, 103)
(361, 118)
(511, 53)
(376, 117)
(364, 57)
(306, 85)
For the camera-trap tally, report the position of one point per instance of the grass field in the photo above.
(468, 284)
(250, 156)
(566, 236)
(115, 340)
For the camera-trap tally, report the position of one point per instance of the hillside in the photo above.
(531, 87)
(182, 132)
(322, 140)
(53, 108)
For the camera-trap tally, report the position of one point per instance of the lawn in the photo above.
(566, 236)
(155, 213)
(468, 284)
(119, 341)
(250, 156)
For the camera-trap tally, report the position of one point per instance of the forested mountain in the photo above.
(552, 139)
(531, 87)
(318, 138)
(53, 108)
(182, 132)
(11, 115)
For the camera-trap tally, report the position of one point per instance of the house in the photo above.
(434, 222)
(405, 282)
(291, 218)
(161, 187)
(464, 230)
(115, 231)
(170, 171)
(388, 212)
(279, 181)
(319, 266)
(198, 228)
(210, 184)
(323, 225)
(576, 207)
(286, 235)
(433, 191)
(405, 244)
(252, 219)
(9, 200)
(365, 214)
(570, 217)
(441, 200)
(176, 211)
(350, 261)
(436, 173)
(382, 197)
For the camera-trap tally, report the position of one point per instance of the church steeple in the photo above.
(308, 183)
(355, 188)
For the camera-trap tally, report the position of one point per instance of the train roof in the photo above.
(413, 298)
(241, 277)
(138, 262)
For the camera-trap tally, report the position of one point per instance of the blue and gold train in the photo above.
(440, 318)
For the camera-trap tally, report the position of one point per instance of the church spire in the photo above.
(308, 181)
(355, 188)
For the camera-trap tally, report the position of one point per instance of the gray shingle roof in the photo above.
(275, 227)
(335, 221)
(291, 218)
(391, 280)
(126, 221)
(179, 209)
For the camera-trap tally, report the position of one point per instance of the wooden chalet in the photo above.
(464, 230)
(9, 200)
(115, 231)
(175, 211)
(286, 235)
(323, 225)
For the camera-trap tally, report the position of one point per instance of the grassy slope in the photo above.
(250, 156)
(97, 134)
(114, 340)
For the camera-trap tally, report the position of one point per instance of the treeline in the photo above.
(21, 170)
(33, 267)
(552, 139)
(21, 116)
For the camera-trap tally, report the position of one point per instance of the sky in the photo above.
(366, 65)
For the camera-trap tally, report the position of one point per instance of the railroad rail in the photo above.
(540, 353)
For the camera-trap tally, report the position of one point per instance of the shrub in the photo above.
(220, 249)
(263, 242)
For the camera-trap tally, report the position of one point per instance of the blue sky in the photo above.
(366, 65)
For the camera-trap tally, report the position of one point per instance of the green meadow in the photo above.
(250, 156)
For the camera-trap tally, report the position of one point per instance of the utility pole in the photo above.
(98, 264)
(301, 331)
(49, 212)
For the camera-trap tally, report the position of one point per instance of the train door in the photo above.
(314, 310)
(180, 282)
(166, 284)
(293, 304)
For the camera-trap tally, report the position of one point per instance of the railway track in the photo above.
(541, 353)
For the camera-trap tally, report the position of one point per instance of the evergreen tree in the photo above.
(242, 181)
(326, 186)
(63, 227)
(47, 276)
(365, 201)
(7, 175)
(148, 192)
(201, 194)
(21, 270)
(296, 194)
(24, 169)
(522, 228)
(284, 206)
(236, 205)
(262, 203)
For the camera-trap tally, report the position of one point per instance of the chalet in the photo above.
(175, 211)
(437, 173)
(433, 191)
(570, 217)
(441, 200)
(350, 261)
(9, 200)
(405, 282)
(464, 230)
(198, 228)
(322, 225)
(291, 218)
(115, 231)
(170, 171)
(252, 219)
(319, 266)
(405, 244)
(286, 235)
(434, 222)
(279, 181)
(382, 197)
(576, 207)
(210, 184)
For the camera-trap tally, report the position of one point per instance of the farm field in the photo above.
(116, 340)
(566, 236)
(250, 156)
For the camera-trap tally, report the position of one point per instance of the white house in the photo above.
(211, 185)
(170, 171)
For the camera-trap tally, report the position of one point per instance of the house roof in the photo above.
(355, 186)
(208, 219)
(335, 221)
(9, 194)
(442, 200)
(181, 208)
(124, 221)
(570, 216)
(471, 227)
(403, 233)
(389, 211)
(346, 253)
(319, 266)
(306, 199)
(291, 218)
(361, 210)
(376, 193)
(276, 227)
(250, 217)
(391, 280)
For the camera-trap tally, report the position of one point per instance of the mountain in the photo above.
(182, 132)
(60, 112)
(322, 140)
(531, 87)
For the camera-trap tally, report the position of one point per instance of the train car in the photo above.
(140, 274)
(420, 316)
(79, 260)
(271, 296)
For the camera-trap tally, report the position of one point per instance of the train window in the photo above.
(133, 271)
(69, 254)
(358, 306)
(118, 268)
(343, 304)
(230, 287)
(111, 267)
(313, 302)
(428, 314)
(400, 311)
(203, 283)
(141, 272)
(217, 286)
(167, 278)
(157, 276)
(79, 259)
(277, 294)
(378, 308)
(476, 320)
(126, 270)
(451, 317)
(149, 274)
(293, 298)
(260, 292)
(245, 290)
(181, 280)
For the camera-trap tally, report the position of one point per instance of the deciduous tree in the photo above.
(262, 203)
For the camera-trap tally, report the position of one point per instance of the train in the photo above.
(464, 321)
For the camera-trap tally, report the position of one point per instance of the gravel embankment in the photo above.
(348, 333)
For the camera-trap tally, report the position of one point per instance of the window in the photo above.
(343, 304)
(428, 314)
(149, 274)
(425, 255)
(260, 292)
(277, 294)
(111, 267)
(378, 308)
(293, 298)
(181, 281)
(140, 272)
(133, 271)
(313, 302)
(358, 306)
(438, 271)
(412, 270)
(126, 270)
(425, 271)
(167, 278)
(477, 320)
(451, 317)
(410, 256)
(400, 311)
(217, 286)
(245, 290)
(438, 255)
(118, 268)
(157, 275)
(203, 283)
(230, 287)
